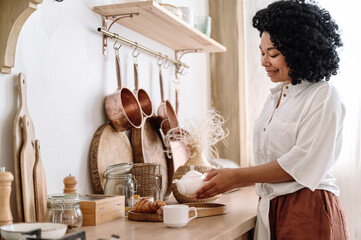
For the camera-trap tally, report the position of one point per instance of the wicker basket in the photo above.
(149, 180)
(182, 170)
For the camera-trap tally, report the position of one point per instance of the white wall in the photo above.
(60, 52)
(257, 81)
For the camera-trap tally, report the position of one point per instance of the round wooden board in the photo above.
(108, 147)
(203, 210)
(145, 217)
(148, 148)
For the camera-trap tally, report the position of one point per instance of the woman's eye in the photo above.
(262, 54)
(273, 56)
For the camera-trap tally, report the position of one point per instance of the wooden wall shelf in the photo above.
(157, 23)
(13, 14)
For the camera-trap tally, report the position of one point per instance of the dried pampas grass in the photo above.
(200, 134)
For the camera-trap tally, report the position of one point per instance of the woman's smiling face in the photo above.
(274, 62)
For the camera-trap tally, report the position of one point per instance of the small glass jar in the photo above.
(121, 184)
(65, 208)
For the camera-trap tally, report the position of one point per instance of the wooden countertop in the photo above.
(241, 217)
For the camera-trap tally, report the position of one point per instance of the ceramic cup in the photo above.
(177, 216)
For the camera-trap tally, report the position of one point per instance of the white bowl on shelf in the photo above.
(48, 230)
(173, 9)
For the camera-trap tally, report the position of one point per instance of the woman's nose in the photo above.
(265, 62)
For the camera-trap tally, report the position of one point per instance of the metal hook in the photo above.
(114, 45)
(178, 68)
(159, 63)
(183, 73)
(165, 63)
(135, 49)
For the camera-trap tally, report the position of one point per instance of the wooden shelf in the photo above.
(159, 24)
(13, 14)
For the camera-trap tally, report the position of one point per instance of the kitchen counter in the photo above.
(236, 224)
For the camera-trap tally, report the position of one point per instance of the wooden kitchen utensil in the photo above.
(18, 141)
(108, 147)
(27, 162)
(40, 190)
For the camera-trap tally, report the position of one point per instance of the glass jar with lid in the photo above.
(120, 182)
(65, 208)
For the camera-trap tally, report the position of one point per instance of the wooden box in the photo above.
(98, 209)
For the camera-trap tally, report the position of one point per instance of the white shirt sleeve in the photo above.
(318, 139)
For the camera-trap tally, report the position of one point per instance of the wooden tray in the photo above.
(203, 210)
(145, 217)
(207, 209)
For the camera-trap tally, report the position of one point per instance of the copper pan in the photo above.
(122, 107)
(142, 96)
(167, 117)
(146, 141)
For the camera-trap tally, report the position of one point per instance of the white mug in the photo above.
(177, 216)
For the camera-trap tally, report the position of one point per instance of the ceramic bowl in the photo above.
(173, 9)
(48, 230)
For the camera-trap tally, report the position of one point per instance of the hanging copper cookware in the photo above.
(146, 141)
(122, 107)
(167, 117)
(142, 96)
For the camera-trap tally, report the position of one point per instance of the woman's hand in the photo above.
(218, 181)
(222, 180)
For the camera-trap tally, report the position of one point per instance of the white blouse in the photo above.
(304, 134)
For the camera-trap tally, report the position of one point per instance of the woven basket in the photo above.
(182, 170)
(149, 180)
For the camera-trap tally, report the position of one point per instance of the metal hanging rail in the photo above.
(161, 56)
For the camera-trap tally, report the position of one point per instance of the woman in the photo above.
(298, 135)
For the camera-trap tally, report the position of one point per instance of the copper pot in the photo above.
(122, 107)
(166, 114)
(142, 96)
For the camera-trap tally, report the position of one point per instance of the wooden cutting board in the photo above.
(18, 141)
(107, 148)
(203, 210)
(148, 148)
(40, 190)
(27, 162)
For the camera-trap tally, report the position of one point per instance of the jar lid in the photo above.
(120, 168)
(64, 198)
(119, 176)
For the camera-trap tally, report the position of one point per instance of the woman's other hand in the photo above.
(218, 181)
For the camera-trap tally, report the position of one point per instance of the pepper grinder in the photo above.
(6, 179)
(70, 184)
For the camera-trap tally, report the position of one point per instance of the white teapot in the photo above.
(190, 182)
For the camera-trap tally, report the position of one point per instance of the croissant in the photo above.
(146, 206)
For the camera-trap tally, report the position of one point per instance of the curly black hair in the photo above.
(305, 34)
